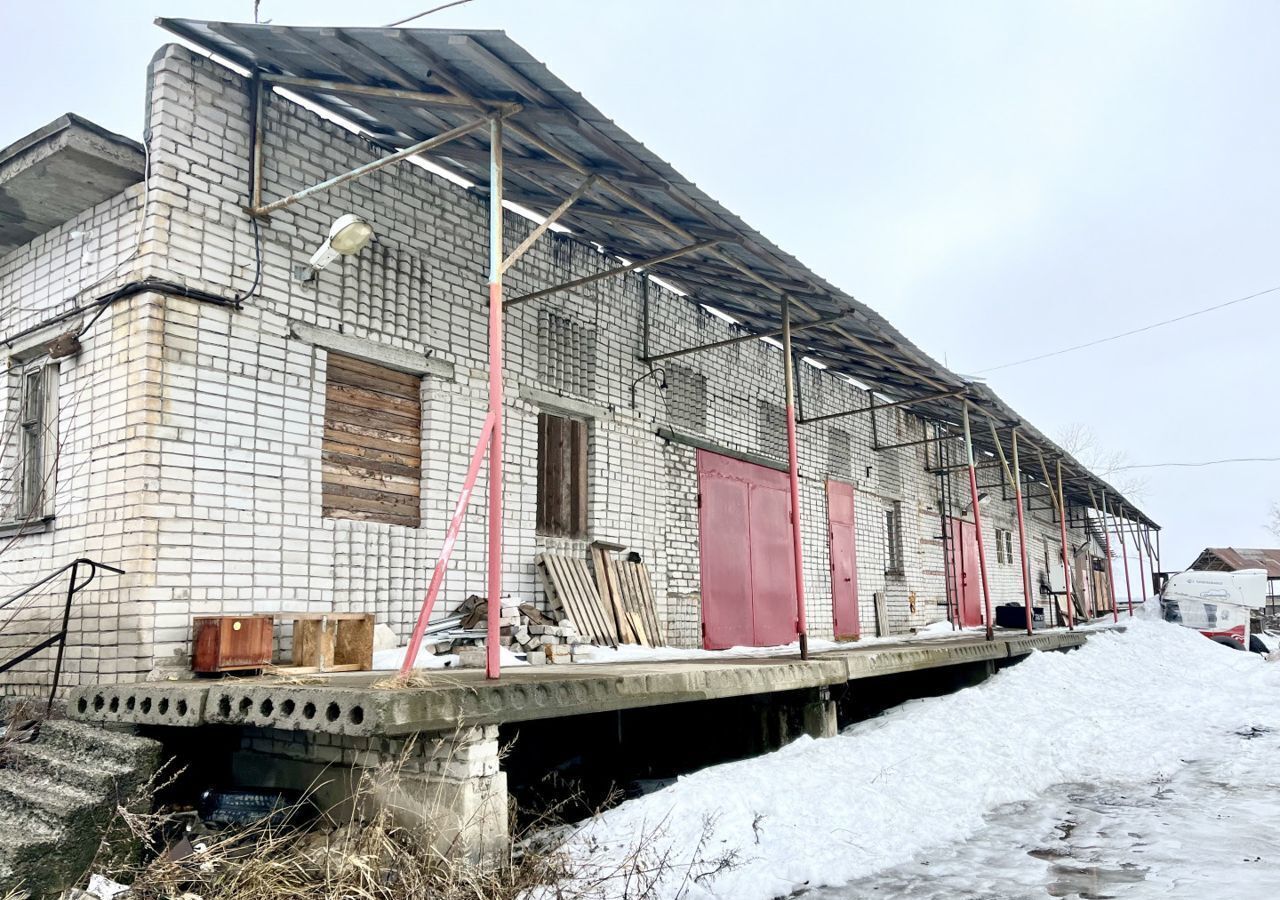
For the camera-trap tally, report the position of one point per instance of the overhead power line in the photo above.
(1197, 465)
(1124, 334)
(420, 15)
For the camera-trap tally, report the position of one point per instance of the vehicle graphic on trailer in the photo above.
(1217, 604)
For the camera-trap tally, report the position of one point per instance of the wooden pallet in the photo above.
(569, 585)
(624, 584)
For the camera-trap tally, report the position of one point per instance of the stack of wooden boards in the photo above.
(609, 600)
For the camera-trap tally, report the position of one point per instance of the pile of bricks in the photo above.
(541, 637)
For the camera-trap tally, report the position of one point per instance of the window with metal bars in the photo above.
(894, 562)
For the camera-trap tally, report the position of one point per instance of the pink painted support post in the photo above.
(977, 524)
(446, 550)
(1022, 533)
(1111, 575)
(493, 662)
(802, 628)
(1066, 566)
(1124, 553)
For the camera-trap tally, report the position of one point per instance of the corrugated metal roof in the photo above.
(1234, 559)
(553, 139)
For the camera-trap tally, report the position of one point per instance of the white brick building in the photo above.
(190, 430)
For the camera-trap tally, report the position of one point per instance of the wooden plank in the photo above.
(612, 601)
(385, 403)
(370, 501)
(651, 602)
(634, 603)
(882, 614)
(366, 435)
(344, 452)
(588, 598)
(353, 644)
(578, 584)
(619, 582)
(349, 367)
(313, 644)
(368, 478)
(360, 515)
(379, 467)
(337, 411)
(313, 670)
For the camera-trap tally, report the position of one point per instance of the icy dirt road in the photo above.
(1210, 831)
(1120, 769)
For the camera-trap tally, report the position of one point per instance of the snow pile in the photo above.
(1127, 706)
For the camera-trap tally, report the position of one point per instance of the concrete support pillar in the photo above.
(818, 716)
(446, 785)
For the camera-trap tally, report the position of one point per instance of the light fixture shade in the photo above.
(350, 234)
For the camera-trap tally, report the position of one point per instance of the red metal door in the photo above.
(844, 559)
(965, 573)
(747, 565)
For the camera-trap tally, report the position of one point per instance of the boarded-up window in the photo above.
(686, 398)
(567, 355)
(562, 476)
(372, 456)
(771, 423)
(839, 453)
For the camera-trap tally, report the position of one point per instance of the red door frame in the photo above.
(746, 562)
(843, 555)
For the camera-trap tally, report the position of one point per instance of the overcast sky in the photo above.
(998, 179)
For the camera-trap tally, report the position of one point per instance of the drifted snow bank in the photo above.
(1124, 707)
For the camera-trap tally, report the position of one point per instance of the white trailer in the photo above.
(1217, 604)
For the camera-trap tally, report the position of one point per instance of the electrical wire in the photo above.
(420, 15)
(1124, 334)
(1197, 465)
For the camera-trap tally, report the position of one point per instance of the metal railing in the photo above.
(74, 586)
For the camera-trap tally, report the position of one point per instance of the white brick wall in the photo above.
(212, 491)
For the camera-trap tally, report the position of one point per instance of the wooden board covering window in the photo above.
(372, 452)
(562, 476)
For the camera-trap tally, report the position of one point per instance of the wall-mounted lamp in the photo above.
(348, 235)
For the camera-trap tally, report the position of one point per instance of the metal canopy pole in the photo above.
(1022, 533)
(360, 171)
(493, 659)
(1111, 575)
(729, 342)
(788, 381)
(977, 523)
(609, 273)
(1066, 565)
(853, 412)
(1142, 574)
(1124, 553)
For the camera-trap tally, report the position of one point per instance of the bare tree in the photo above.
(1081, 441)
(1273, 520)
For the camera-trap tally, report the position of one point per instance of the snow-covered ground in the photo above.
(988, 772)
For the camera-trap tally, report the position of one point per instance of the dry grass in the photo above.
(372, 857)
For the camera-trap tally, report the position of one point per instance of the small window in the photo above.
(31, 447)
(372, 452)
(562, 476)
(894, 564)
(1004, 546)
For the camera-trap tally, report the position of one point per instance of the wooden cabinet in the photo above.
(232, 643)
